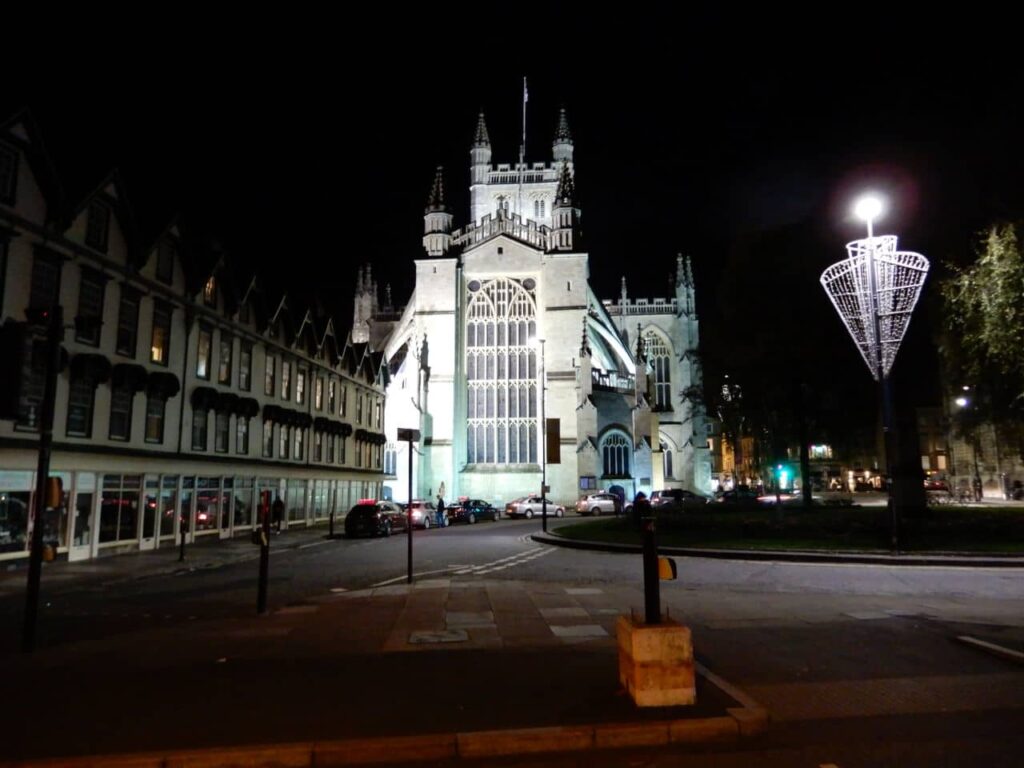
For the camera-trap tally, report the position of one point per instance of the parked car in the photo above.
(375, 518)
(528, 506)
(677, 500)
(424, 514)
(472, 510)
(739, 496)
(599, 504)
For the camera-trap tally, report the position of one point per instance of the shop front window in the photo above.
(119, 508)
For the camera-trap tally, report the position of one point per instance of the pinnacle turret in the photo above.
(585, 342)
(566, 194)
(436, 200)
(481, 139)
(561, 147)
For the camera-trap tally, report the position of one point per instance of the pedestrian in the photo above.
(440, 511)
(977, 487)
(278, 512)
(641, 509)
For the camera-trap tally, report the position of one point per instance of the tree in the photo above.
(982, 343)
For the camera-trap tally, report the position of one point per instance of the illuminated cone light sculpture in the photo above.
(875, 290)
(876, 315)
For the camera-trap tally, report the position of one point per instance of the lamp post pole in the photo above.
(883, 382)
(544, 444)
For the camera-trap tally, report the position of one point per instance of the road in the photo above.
(850, 659)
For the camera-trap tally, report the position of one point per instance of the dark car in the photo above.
(471, 510)
(375, 518)
(677, 500)
(739, 496)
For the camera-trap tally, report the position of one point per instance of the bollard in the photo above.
(261, 594)
(331, 533)
(652, 585)
(184, 532)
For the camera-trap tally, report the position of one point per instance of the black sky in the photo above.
(310, 144)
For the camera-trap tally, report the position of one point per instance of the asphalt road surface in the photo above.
(858, 664)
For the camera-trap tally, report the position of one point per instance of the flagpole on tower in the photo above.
(522, 151)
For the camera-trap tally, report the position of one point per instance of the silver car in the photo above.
(528, 506)
(599, 504)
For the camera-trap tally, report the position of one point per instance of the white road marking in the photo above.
(404, 576)
(500, 565)
(313, 544)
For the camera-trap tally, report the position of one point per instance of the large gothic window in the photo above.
(501, 372)
(615, 450)
(661, 361)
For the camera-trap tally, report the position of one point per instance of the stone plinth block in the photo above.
(656, 662)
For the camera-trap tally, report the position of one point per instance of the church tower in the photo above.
(365, 305)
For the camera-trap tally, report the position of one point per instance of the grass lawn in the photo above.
(848, 529)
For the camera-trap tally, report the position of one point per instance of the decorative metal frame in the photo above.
(875, 291)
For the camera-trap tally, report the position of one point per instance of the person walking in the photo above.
(440, 511)
(278, 512)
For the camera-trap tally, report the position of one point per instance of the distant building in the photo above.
(468, 367)
(197, 398)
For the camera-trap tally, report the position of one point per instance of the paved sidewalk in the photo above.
(207, 552)
(443, 656)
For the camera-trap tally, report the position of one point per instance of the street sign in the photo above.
(408, 435)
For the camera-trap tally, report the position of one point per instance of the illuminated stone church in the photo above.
(504, 304)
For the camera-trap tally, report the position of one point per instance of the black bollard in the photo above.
(261, 597)
(184, 532)
(652, 586)
(331, 533)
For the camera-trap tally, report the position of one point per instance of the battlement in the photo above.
(511, 224)
(612, 381)
(535, 173)
(639, 307)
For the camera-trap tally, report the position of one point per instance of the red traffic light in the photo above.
(37, 316)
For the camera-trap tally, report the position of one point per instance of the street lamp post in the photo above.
(868, 209)
(543, 443)
(874, 291)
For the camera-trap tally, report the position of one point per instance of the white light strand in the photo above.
(899, 276)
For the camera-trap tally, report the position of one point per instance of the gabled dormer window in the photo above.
(97, 229)
(165, 263)
(8, 175)
(210, 292)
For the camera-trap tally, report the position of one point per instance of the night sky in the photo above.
(310, 153)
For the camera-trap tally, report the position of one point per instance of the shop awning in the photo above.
(247, 407)
(374, 438)
(272, 413)
(94, 367)
(204, 398)
(346, 430)
(165, 385)
(131, 377)
(226, 402)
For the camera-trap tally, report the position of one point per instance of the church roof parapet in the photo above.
(656, 306)
(512, 224)
(613, 381)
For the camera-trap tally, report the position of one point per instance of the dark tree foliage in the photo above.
(982, 338)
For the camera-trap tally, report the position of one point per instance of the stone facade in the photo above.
(194, 396)
(503, 329)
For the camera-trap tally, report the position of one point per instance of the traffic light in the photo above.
(54, 492)
(38, 317)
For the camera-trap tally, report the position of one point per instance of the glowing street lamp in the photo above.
(874, 290)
